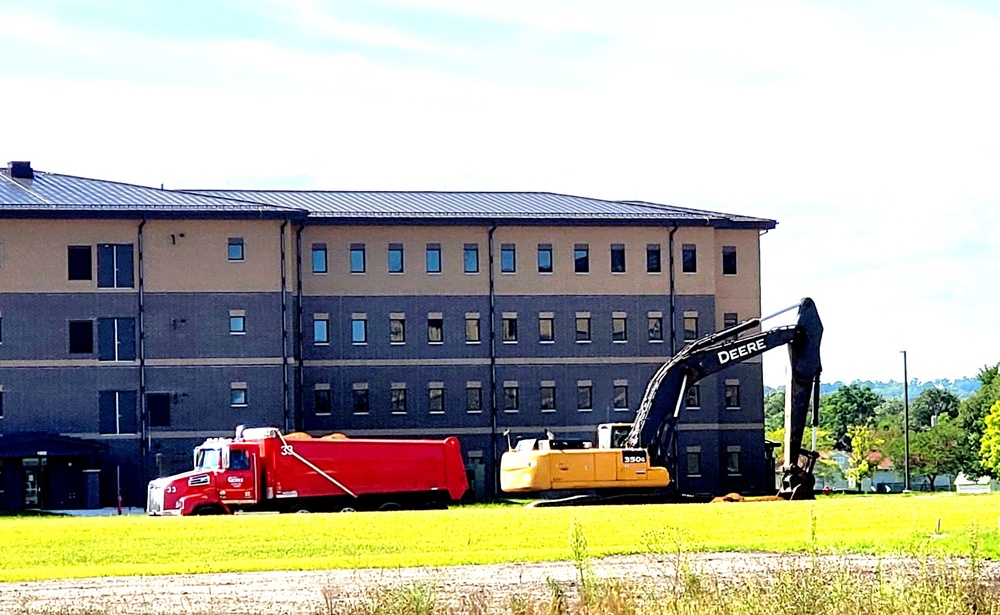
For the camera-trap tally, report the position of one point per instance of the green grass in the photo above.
(46, 548)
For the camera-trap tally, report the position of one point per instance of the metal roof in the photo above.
(52, 194)
(528, 207)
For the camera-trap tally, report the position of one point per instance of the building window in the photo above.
(730, 319)
(690, 326)
(653, 263)
(544, 258)
(621, 396)
(323, 401)
(116, 339)
(435, 329)
(433, 258)
(694, 463)
(547, 397)
(509, 332)
(619, 327)
(582, 327)
(116, 412)
(359, 328)
(114, 265)
(617, 258)
(359, 398)
(732, 394)
(238, 394)
(397, 329)
(689, 258)
(357, 258)
(158, 408)
(693, 398)
(733, 462)
(546, 327)
(471, 258)
(511, 401)
(473, 397)
(472, 328)
(654, 327)
(398, 398)
(237, 322)
(321, 329)
(395, 258)
(508, 258)
(728, 260)
(581, 258)
(81, 337)
(235, 251)
(79, 263)
(584, 396)
(319, 258)
(435, 398)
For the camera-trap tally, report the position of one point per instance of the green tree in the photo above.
(824, 441)
(989, 445)
(848, 406)
(889, 414)
(865, 455)
(935, 451)
(774, 410)
(932, 403)
(972, 419)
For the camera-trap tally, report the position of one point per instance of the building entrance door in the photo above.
(34, 481)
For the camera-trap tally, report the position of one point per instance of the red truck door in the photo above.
(241, 477)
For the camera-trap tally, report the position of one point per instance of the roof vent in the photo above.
(21, 170)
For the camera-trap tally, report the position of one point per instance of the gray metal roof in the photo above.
(54, 194)
(535, 207)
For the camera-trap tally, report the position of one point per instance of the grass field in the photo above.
(36, 548)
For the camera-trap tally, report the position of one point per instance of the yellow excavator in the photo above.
(631, 461)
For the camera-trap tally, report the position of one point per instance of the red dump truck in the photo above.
(262, 470)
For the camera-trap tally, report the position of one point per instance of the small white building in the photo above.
(963, 484)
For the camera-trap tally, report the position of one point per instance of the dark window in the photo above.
(619, 329)
(730, 319)
(584, 397)
(319, 258)
(508, 258)
(80, 263)
(694, 464)
(510, 398)
(471, 260)
(359, 330)
(728, 260)
(548, 398)
(397, 331)
(435, 400)
(689, 258)
(621, 397)
(116, 339)
(357, 258)
(399, 401)
(81, 337)
(239, 460)
(471, 329)
(583, 328)
(617, 258)
(581, 258)
(733, 463)
(433, 258)
(732, 396)
(690, 328)
(435, 330)
(359, 401)
(546, 329)
(116, 412)
(395, 258)
(114, 265)
(323, 402)
(473, 399)
(158, 407)
(653, 258)
(693, 397)
(238, 396)
(544, 259)
(655, 328)
(235, 251)
(510, 329)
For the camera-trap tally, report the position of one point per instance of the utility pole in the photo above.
(906, 427)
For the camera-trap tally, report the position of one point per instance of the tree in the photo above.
(889, 414)
(849, 405)
(824, 441)
(933, 403)
(864, 453)
(774, 410)
(989, 446)
(936, 451)
(972, 419)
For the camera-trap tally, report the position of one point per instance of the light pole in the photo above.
(906, 426)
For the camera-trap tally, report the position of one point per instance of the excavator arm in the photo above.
(656, 418)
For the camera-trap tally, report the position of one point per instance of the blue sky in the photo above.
(870, 131)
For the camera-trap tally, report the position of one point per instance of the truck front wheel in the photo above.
(390, 506)
(208, 509)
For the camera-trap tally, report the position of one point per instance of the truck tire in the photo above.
(390, 506)
(208, 509)
(299, 508)
(348, 509)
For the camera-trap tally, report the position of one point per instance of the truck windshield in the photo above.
(206, 459)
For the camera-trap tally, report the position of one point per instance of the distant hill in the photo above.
(962, 388)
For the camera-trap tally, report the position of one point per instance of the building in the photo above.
(136, 322)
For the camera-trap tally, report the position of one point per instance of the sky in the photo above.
(869, 130)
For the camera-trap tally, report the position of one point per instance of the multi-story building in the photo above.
(136, 322)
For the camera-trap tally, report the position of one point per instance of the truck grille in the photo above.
(154, 500)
